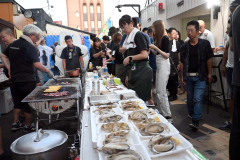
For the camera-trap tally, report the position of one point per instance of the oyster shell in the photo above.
(126, 155)
(100, 108)
(155, 128)
(115, 139)
(103, 103)
(114, 148)
(106, 118)
(161, 143)
(106, 111)
(130, 106)
(145, 123)
(114, 127)
(138, 115)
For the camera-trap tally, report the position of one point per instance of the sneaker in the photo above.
(226, 126)
(172, 98)
(190, 115)
(29, 128)
(194, 124)
(6, 155)
(16, 126)
(170, 119)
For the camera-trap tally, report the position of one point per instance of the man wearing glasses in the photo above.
(20, 58)
(196, 64)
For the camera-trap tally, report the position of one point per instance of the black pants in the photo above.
(234, 148)
(111, 69)
(19, 91)
(172, 85)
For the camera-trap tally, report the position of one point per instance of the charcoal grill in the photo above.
(72, 81)
(52, 105)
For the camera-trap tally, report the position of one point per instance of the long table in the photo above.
(89, 153)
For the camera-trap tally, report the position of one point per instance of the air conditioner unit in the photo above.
(16, 10)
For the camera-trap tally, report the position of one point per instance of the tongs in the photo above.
(55, 79)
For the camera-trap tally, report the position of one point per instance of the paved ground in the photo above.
(206, 140)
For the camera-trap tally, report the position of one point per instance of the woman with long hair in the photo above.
(161, 49)
(139, 73)
(96, 52)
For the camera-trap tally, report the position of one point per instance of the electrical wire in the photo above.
(114, 8)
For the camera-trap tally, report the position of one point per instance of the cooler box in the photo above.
(6, 101)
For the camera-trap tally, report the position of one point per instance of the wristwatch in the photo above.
(130, 59)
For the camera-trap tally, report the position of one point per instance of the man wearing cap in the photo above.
(234, 40)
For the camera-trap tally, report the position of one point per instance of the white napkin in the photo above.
(129, 41)
(174, 47)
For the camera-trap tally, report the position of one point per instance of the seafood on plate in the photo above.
(116, 137)
(103, 107)
(103, 103)
(143, 124)
(130, 105)
(109, 117)
(114, 148)
(154, 129)
(115, 126)
(159, 143)
(126, 155)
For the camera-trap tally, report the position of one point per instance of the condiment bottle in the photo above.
(90, 65)
(111, 80)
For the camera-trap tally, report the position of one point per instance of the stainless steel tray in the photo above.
(105, 98)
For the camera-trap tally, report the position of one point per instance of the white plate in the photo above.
(184, 145)
(124, 118)
(161, 118)
(93, 128)
(131, 137)
(141, 104)
(184, 155)
(117, 110)
(138, 148)
(99, 130)
(172, 129)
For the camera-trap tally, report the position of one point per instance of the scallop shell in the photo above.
(114, 148)
(129, 155)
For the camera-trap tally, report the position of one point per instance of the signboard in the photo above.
(58, 22)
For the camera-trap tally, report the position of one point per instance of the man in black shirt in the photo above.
(71, 56)
(174, 47)
(234, 39)
(196, 64)
(20, 58)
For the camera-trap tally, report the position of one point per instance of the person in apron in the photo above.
(161, 50)
(139, 73)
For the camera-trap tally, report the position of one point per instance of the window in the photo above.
(91, 8)
(92, 24)
(99, 24)
(77, 14)
(85, 16)
(93, 30)
(85, 24)
(84, 8)
(78, 27)
(98, 8)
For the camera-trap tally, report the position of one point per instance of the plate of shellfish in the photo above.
(128, 106)
(114, 127)
(161, 145)
(120, 151)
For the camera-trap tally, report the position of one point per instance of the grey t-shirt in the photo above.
(235, 33)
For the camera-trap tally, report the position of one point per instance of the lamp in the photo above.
(77, 14)
(210, 3)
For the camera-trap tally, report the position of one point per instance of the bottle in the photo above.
(111, 80)
(105, 71)
(104, 62)
(73, 152)
(94, 84)
(90, 65)
(221, 45)
(98, 87)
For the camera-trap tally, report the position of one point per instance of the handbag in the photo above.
(173, 69)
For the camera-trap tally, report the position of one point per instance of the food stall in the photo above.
(117, 124)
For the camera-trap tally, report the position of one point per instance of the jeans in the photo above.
(229, 74)
(195, 90)
(234, 148)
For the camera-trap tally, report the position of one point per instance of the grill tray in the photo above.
(36, 94)
(73, 81)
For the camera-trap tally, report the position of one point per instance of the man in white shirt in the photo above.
(44, 55)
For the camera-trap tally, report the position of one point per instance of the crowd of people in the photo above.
(153, 60)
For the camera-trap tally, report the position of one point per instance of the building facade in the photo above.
(86, 15)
